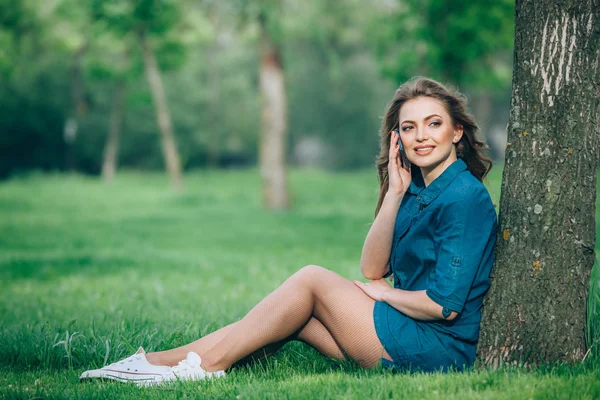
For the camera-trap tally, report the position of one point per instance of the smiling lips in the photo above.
(422, 151)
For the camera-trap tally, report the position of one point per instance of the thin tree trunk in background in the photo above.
(79, 108)
(111, 149)
(212, 147)
(535, 310)
(163, 116)
(274, 124)
(482, 108)
(214, 83)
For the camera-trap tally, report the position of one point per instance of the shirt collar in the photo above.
(427, 194)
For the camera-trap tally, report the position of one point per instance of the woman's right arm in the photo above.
(378, 244)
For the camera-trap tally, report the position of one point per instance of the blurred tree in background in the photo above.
(146, 20)
(34, 95)
(63, 61)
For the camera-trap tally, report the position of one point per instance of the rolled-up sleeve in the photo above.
(463, 232)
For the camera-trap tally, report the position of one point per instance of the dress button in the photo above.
(446, 312)
(419, 198)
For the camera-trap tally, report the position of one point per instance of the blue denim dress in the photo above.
(443, 243)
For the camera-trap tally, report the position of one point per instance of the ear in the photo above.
(458, 132)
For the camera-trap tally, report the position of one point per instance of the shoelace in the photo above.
(185, 365)
(128, 359)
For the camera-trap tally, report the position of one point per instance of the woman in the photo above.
(440, 252)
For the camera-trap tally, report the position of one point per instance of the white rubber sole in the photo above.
(139, 379)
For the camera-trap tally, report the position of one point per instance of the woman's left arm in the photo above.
(416, 304)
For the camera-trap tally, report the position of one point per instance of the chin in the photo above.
(428, 164)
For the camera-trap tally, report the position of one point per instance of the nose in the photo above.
(421, 134)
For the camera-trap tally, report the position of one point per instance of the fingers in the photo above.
(371, 289)
(359, 285)
(363, 286)
(392, 146)
(394, 150)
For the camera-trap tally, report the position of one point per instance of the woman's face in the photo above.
(424, 122)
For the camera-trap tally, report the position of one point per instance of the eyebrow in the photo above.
(425, 119)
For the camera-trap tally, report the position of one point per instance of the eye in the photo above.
(405, 128)
(436, 122)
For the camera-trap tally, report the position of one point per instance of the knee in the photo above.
(310, 272)
(313, 270)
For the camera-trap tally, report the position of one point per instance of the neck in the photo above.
(432, 172)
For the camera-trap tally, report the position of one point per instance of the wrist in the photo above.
(385, 296)
(394, 196)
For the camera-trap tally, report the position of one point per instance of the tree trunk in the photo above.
(535, 310)
(163, 116)
(214, 84)
(274, 124)
(111, 149)
(79, 108)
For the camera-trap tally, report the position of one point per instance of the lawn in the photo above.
(113, 267)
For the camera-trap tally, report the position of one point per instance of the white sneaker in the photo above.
(189, 369)
(135, 368)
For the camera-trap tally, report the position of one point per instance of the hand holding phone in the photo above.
(403, 157)
(399, 168)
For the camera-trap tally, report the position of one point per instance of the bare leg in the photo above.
(343, 309)
(173, 356)
(313, 333)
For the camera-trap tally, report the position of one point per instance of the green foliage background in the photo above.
(342, 62)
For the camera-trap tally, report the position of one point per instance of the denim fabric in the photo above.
(443, 243)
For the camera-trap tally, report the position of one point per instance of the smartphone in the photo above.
(403, 157)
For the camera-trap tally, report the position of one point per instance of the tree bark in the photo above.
(535, 311)
(163, 116)
(274, 124)
(111, 149)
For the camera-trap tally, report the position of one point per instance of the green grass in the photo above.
(133, 264)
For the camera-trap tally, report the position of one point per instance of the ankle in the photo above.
(210, 365)
(157, 359)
